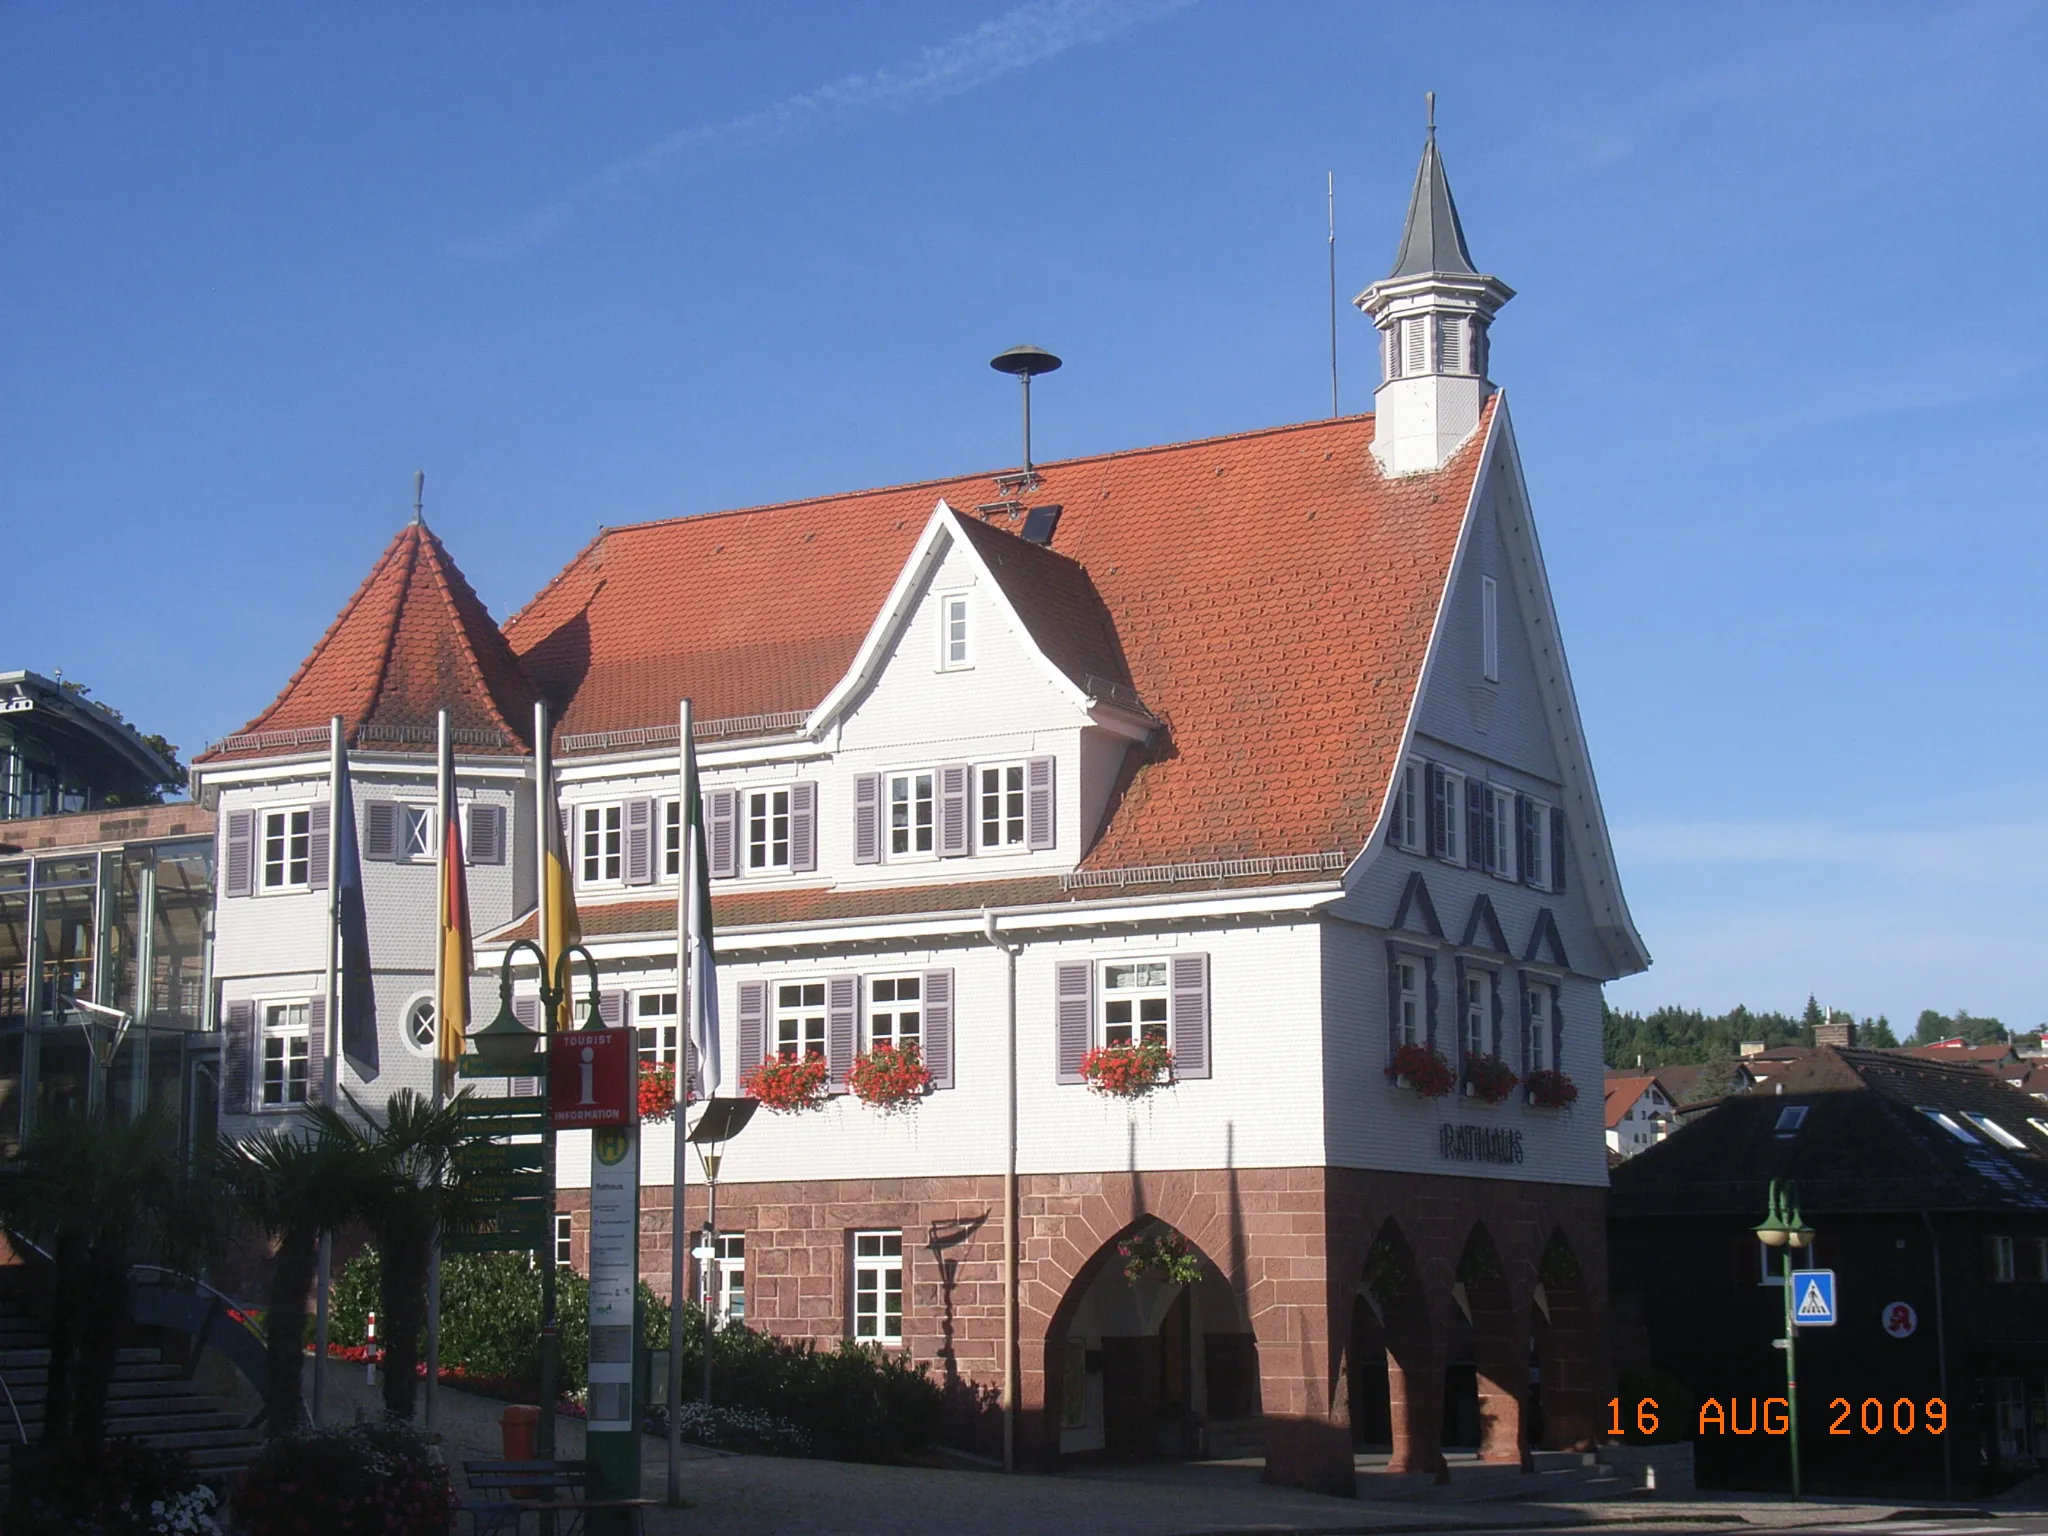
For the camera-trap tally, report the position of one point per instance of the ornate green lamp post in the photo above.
(1784, 1229)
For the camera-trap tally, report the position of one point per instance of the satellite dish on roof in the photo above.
(1026, 363)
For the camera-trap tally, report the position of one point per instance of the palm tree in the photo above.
(420, 1187)
(102, 1193)
(294, 1188)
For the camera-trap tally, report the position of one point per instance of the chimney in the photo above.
(1834, 1031)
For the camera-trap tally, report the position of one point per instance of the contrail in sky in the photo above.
(1030, 34)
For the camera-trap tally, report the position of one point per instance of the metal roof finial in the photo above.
(419, 498)
(1429, 101)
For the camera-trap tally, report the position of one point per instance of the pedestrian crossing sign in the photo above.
(1813, 1298)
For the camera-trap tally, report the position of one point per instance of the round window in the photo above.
(419, 1024)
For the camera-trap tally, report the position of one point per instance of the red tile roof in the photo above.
(1622, 1093)
(414, 639)
(1272, 596)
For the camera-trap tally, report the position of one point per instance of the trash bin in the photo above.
(519, 1426)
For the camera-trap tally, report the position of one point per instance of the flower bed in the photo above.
(1128, 1071)
(1550, 1089)
(889, 1079)
(657, 1091)
(1490, 1079)
(1421, 1070)
(374, 1479)
(788, 1084)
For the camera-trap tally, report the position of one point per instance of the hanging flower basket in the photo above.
(657, 1091)
(788, 1084)
(1128, 1071)
(1551, 1090)
(1166, 1258)
(889, 1079)
(1489, 1079)
(1422, 1071)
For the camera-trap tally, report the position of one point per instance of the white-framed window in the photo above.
(768, 830)
(1477, 1012)
(1770, 1263)
(729, 1305)
(287, 1043)
(1998, 1261)
(1489, 628)
(1995, 1131)
(912, 807)
(565, 1239)
(1949, 1123)
(604, 843)
(1500, 813)
(1450, 814)
(654, 1028)
(999, 805)
(896, 1011)
(672, 838)
(1538, 852)
(1133, 1001)
(416, 833)
(800, 1018)
(955, 648)
(288, 849)
(1409, 1000)
(1407, 828)
(1538, 994)
(878, 1287)
(421, 1025)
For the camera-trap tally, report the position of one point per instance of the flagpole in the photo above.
(544, 829)
(686, 1019)
(444, 802)
(330, 1070)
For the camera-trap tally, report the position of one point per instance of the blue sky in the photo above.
(1776, 362)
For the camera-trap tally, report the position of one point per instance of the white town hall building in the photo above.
(1265, 743)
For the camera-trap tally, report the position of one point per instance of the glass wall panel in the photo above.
(184, 903)
(13, 958)
(167, 1074)
(121, 1080)
(66, 950)
(61, 1073)
(10, 1093)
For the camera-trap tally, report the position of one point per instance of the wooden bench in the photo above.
(504, 1492)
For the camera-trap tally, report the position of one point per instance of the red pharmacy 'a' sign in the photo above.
(591, 1078)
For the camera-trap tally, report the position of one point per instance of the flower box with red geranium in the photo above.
(890, 1079)
(1489, 1079)
(1421, 1070)
(1128, 1071)
(657, 1091)
(1550, 1089)
(788, 1084)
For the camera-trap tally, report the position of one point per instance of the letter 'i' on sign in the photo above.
(1814, 1290)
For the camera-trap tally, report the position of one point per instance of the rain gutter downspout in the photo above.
(1010, 953)
(1948, 1475)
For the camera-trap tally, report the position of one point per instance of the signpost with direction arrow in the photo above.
(507, 1174)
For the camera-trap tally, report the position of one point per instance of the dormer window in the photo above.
(954, 650)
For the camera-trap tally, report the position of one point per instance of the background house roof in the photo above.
(1622, 1094)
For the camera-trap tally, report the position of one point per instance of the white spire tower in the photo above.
(1432, 312)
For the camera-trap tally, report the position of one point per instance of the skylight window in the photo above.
(1948, 1124)
(1790, 1118)
(2039, 1125)
(1995, 1131)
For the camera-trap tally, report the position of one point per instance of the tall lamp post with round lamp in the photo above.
(1784, 1229)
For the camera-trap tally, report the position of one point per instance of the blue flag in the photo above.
(357, 987)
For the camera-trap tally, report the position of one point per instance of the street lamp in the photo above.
(1784, 1229)
(507, 1048)
(721, 1120)
(115, 1031)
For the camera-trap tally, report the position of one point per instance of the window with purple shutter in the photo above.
(954, 841)
(238, 860)
(486, 843)
(380, 830)
(1187, 1014)
(937, 1025)
(639, 842)
(238, 1079)
(753, 1001)
(721, 832)
(319, 829)
(1439, 814)
(1557, 849)
(1478, 826)
(1499, 1011)
(1429, 1000)
(803, 826)
(527, 1011)
(1041, 829)
(1556, 1029)
(867, 818)
(1525, 858)
(842, 1028)
(316, 1051)
(611, 1007)
(1074, 1008)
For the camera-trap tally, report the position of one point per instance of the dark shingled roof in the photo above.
(1864, 1145)
(1432, 240)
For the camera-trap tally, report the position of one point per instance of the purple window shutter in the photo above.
(842, 1028)
(803, 827)
(1557, 849)
(1499, 1009)
(639, 842)
(753, 1023)
(319, 824)
(1040, 827)
(1440, 811)
(938, 1027)
(1524, 838)
(528, 1012)
(239, 859)
(1429, 1000)
(486, 833)
(611, 1007)
(1187, 1014)
(380, 830)
(1478, 826)
(1522, 1001)
(1557, 1029)
(1393, 1002)
(1458, 1059)
(316, 1051)
(722, 833)
(954, 841)
(1074, 1003)
(239, 1086)
(867, 818)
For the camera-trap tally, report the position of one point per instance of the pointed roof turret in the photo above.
(1432, 240)
(413, 640)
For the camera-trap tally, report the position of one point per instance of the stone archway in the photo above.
(1570, 1346)
(1487, 1296)
(1393, 1286)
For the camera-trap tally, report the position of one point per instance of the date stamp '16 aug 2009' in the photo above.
(1771, 1416)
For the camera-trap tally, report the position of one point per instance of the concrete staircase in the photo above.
(149, 1399)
